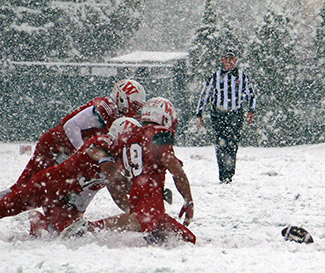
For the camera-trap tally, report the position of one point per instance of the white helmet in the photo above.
(122, 125)
(129, 95)
(161, 111)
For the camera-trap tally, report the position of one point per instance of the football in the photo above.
(297, 234)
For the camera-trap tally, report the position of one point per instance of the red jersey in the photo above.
(63, 191)
(54, 146)
(85, 170)
(79, 175)
(141, 154)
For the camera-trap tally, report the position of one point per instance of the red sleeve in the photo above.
(163, 142)
(107, 143)
(106, 110)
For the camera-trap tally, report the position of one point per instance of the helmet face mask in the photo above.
(161, 111)
(129, 95)
(133, 109)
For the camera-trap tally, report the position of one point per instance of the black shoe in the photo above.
(75, 230)
(155, 238)
(168, 196)
(226, 181)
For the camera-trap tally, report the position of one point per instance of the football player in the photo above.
(146, 155)
(91, 119)
(65, 191)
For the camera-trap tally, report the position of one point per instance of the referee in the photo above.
(225, 91)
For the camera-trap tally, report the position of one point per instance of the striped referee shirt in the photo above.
(227, 90)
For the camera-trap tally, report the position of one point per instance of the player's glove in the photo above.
(74, 199)
(188, 209)
(168, 196)
(61, 157)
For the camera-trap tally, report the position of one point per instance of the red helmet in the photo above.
(130, 96)
(161, 111)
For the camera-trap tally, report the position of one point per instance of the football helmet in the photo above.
(122, 125)
(161, 111)
(129, 96)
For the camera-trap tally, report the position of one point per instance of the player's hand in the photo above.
(250, 117)
(61, 157)
(74, 199)
(188, 209)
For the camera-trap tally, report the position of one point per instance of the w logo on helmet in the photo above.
(130, 89)
(129, 95)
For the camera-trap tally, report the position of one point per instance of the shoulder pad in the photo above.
(163, 138)
(105, 109)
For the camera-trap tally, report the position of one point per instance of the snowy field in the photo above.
(238, 226)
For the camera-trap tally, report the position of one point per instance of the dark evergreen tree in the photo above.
(212, 38)
(315, 90)
(320, 40)
(274, 65)
(205, 44)
(36, 97)
(98, 31)
(75, 31)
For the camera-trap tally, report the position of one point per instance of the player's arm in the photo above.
(182, 184)
(118, 184)
(86, 119)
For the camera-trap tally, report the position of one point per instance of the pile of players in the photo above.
(121, 142)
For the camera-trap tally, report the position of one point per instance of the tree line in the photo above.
(291, 105)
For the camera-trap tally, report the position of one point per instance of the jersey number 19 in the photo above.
(133, 162)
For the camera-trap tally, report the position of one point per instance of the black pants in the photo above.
(228, 127)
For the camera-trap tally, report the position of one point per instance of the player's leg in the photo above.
(32, 195)
(61, 215)
(146, 213)
(149, 210)
(122, 222)
(235, 121)
(38, 223)
(169, 224)
(42, 158)
(57, 218)
(144, 216)
(220, 127)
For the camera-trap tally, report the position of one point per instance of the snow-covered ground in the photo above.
(238, 226)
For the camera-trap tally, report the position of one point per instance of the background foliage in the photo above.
(291, 102)
(291, 105)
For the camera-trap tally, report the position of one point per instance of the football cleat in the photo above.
(155, 238)
(297, 234)
(226, 181)
(75, 230)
